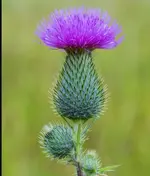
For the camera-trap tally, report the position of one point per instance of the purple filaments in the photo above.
(79, 29)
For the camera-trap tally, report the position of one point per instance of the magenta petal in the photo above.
(79, 28)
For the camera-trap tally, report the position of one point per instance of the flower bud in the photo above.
(91, 163)
(56, 141)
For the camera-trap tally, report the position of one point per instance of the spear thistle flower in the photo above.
(79, 28)
(79, 94)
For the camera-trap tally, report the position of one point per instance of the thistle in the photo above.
(79, 96)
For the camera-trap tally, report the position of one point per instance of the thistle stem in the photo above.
(78, 140)
(78, 150)
(79, 171)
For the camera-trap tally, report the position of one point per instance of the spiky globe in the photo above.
(57, 141)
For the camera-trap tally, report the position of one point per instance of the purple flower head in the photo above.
(79, 28)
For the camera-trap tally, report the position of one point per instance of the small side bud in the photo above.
(91, 163)
(57, 141)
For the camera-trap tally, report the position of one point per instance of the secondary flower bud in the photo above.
(91, 163)
(56, 141)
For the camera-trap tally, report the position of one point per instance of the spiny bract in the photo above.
(79, 93)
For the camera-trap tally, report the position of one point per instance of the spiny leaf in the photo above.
(108, 169)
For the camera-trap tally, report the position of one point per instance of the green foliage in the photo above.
(106, 169)
(79, 93)
(57, 141)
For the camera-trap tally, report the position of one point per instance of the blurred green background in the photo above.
(121, 136)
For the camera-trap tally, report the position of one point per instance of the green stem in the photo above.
(78, 150)
(78, 141)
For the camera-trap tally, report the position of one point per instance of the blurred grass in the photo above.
(121, 136)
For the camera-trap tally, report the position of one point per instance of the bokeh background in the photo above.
(121, 136)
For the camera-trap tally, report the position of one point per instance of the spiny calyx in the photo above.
(79, 92)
